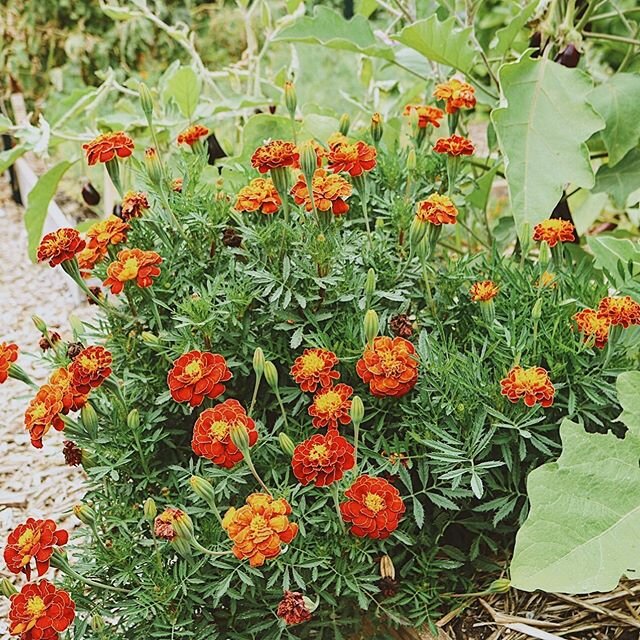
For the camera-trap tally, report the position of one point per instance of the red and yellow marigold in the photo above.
(322, 459)
(389, 366)
(108, 146)
(276, 154)
(90, 368)
(211, 433)
(354, 159)
(374, 508)
(259, 528)
(593, 327)
(258, 195)
(427, 115)
(484, 290)
(293, 608)
(315, 368)
(133, 264)
(456, 94)
(111, 231)
(329, 192)
(533, 385)
(72, 399)
(88, 258)
(622, 311)
(437, 209)
(59, 246)
(133, 205)
(331, 406)
(8, 355)
(192, 134)
(43, 413)
(163, 525)
(554, 231)
(198, 375)
(454, 145)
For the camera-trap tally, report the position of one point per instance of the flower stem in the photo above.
(254, 397)
(360, 183)
(336, 501)
(252, 468)
(209, 552)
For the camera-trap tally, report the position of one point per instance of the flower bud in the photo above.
(146, 101)
(149, 508)
(371, 325)
(502, 585)
(203, 488)
(182, 546)
(6, 588)
(377, 128)
(258, 361)
(488, 309)
(89, 419)
(345, 124)
(370, 283)
(417, 231)
(149, 338)
(271, 374)
(387, 569)
(290, 98)
(308, 160)
(536, 312)
(544, 257)
(40, 324)
(240, 438)
(379, 224)
(84, 513)
(286, 443)
(412, 160)
(183, 526)
(310, 605)
(133, 420)
(97, 623)
(357, 410)
(153, 165)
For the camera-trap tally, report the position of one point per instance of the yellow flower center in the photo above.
(35, 606)
(318, 452)
(39, 411)
(193, 369)
(130, 269)
(258, 523)
(390, 364)
(529, 378)
(26, 539)
(328, 402)
(312, 363)
(219, 429)
(88, 364)
(374, 502)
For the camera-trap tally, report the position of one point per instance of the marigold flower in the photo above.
(40, 611)
(72, 399)
(593, 326)
(553, 231)
(211, 433)
(427, 115)
(198, 375)
(389, 366)
(354, 159)
(484, 291)
(259, 528)
(331, 406)
(133, 204)
(107, 146)
(163, 524)
(374, 508)
(192, 134)
(88, 258)
(33, 540)
(322, 459)
(547, 280)
(454, 145)
(59, 246)
(274, 155)
(456, 94)
(314, 368)
(437, 209)
(8, 355)
(336, 139)
(176, 185)
(329, 192)
(293, 609)
(107, 232)
(133, 264)
(620, 310)
(43, 413)
(90, 368)
(531, 384)
(259, 194)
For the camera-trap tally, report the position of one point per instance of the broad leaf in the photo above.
(583, 530)
(609, 252)
(504, 37)
(620, 181)
(8, 157)
(542, 125)
(184, 86)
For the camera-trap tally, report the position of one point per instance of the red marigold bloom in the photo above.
(43, 413)
(107, 146)
(211, 433)
(192, 134)
(107, 232)
(133, 204)
(620, 310)
(531, 384)
(322, 459)
(198, 375)
(389, 366)
(40, 612)
(274, 155)
(454, 145)
(314, 368)
(457, 95)
(484, 291)
(331, 405)
(259, 528)
(72, 399)
(8, 355)
(259, 194)
(374, 508)
(354, 159)
(329, 192)
(59, 246)
(427, 115)
(293, 609)
(33, 540)
(437, 209)
(593, 326)
(133, 264)
(90, 368)
(553, 231)
(163, 524)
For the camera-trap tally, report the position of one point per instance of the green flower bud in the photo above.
(379, 224)
(536, 312)
(149, 338)
(153, 165)
(84, 513)
(371, 325)
(239, 436)
(146, 100)
(357, 410)
(344, 124)
(133, 420)
(89, 419)
(258, 361)
(412, 160)
(6, 588)
(488, 309)
(271, 374)
(417, 231)
(525, 239)
(544, 257)
(290, 98)
(308, 160)
(377, 128)
(370, 283)
(502, 585)
(40, 324)
(182, 546)
(203, 488)
(183, 526)
(149, 508)
(286, 443)
(97, 623)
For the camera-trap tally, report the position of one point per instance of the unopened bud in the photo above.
(412, 160)
(89, 419)
(379, 223)
(417, 231)
(146, 101)
(182, 546)
(133, 420)
(97, 623)
(387, 570)
(84, 513)
(357, 410)
(271, 374)
(149, 508)
(240, 438)
(183, 526)
(258, 362)
(150, 338)
(536, 312)
(371, 325)
(153, 165)
(544, 257)
(370, 283)
(345, 124)
(40, 324)
(502, 585)
(290, 98)
(286, 443)
(6, 588)
(308, 160)
(377, 128)
(202, 488)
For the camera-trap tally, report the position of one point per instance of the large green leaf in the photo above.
(8, 157)
(38, 204)
(504, 37)
(184, 86)
(610, 252)
(583, 530)
(618, 102)
(620, 181)
(542, 125)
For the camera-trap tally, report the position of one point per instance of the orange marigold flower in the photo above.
(90, 368)
(259, 194)
(163, 524)
(331, 406)
(454, 145)
(43, 413)
(72, 399)
(8, 355)
(192, 134)
(274, 155)
(133, 204)
(107, 232)
(620, 310)
(456, 94)
(259, 528)
(553, 231)
(33, 540)
(40, 611)
(354, 159)
(322, 459)
(484, 291)
(133, 264)
(437, 209)
(374, 508)
(59, 246)
(107, 146)
(314, 368)
(593, 326)
(211, 433)
(293, 608)
(336, 139)
(329, 192)
(427, 115)
(198, 375)
(389, 366)
(88, 258)
(531, 384)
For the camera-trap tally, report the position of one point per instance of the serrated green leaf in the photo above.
(620, 181)
(184, 86)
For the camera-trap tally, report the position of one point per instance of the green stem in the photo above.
(254, 397)
(209, 552)
(282, 410)
(356, 438)
(360, 183)
(611, 37)
(427, 286)
(336, 501)
(252, 468)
